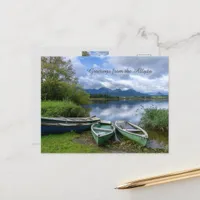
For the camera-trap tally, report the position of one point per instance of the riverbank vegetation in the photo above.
(164, 97)
(62, 109)
(105, 97)
(155, 119)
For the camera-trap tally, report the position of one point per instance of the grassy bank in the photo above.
(62, 108)
(68, 143)
(155, 119)
(84, 143)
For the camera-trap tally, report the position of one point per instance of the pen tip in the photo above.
(120, 187)
(129, 186)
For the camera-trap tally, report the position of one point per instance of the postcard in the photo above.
(96, 103)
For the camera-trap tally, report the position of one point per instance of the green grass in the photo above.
(66, 143)
(155, 119)
(62, 108)
(84, 143)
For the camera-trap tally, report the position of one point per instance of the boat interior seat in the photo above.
(102, 129)
(133, 130)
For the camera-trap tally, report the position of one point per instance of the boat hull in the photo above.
(140, 140)
(69, 119)
(57, 128)
(52, 120)
(102, 139)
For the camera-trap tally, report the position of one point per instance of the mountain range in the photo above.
(121, 93)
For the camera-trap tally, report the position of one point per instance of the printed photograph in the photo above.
(95, 53)
(96, 103)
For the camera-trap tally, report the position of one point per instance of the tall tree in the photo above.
(57, 69)
(55, 73)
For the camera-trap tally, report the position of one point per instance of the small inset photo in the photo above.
(95, 53)
(96, 103)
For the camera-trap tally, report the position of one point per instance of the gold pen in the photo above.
(166, 178)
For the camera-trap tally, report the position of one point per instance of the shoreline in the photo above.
(124, 99)
(72, 142)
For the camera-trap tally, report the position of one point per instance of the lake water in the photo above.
(130, 110)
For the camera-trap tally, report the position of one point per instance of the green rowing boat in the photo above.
(102, 131)
(132, 131)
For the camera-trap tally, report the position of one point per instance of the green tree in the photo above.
(55, 72)
(58, 81)
(57, 69)
(76, 94)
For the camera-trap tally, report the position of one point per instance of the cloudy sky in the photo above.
(143, 74)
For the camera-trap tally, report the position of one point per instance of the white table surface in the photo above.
(27, 28)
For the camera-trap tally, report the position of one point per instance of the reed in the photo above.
(155, 119)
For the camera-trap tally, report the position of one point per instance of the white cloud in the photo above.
(79, 68)
(158, 82)
(158, 65)
(136, 82)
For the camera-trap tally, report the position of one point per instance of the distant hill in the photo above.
(159, 94)
(117, 92)
(122, 93)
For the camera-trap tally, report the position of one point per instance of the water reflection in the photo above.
(123, 110)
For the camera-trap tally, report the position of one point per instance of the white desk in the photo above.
(25, 26)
